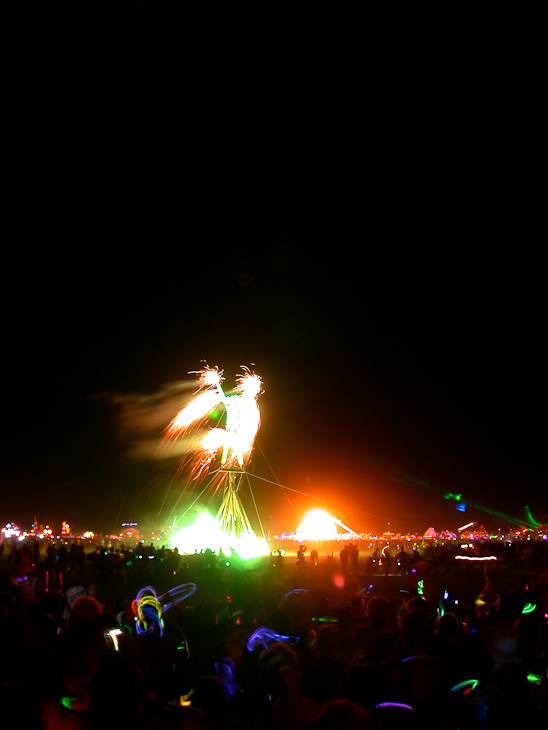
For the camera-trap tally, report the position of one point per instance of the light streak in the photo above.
(470, 524)
(475, 559)
(176, 595)
(113, 637)
(468, 685)
(296, 591)
(262, 636)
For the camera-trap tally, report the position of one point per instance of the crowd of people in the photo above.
(254, 647)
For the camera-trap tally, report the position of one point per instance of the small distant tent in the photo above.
(430, 532)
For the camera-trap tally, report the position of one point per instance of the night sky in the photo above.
(364, 236)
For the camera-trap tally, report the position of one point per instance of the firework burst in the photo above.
(235, 441)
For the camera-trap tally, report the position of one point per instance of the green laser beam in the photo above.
(408, 479)
(530, 517)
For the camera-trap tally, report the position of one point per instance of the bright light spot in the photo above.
(211, 377)
(250, 385)
(317, 525)
(213, 440)
(11, 530)
(195, 410)
(205, 532)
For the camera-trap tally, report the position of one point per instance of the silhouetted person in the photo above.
(344, 556)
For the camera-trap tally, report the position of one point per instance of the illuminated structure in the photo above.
(234, 442)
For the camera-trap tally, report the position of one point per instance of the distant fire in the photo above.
(317, 525)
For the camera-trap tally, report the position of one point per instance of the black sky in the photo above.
(365, 230)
